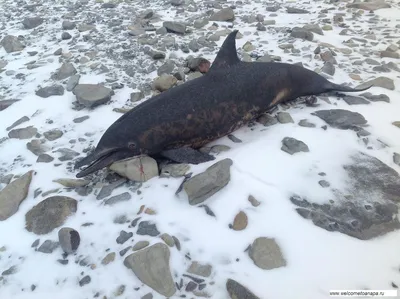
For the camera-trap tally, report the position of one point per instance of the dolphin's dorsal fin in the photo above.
(227, 55)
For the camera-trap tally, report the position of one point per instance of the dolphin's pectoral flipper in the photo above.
(186, 155)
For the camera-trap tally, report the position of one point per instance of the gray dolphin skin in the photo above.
(177, 122)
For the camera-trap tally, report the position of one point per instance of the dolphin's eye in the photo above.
(132, 145)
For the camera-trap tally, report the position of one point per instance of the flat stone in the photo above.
(175, 27)
(291, 146)
(202, 186)
(369, 5)
(48, 246)
(118, 198)
(383, 82)
(6, 103)
(223, 15)
(107, 190)
(109, 258)
(151, 267)
(13, 195)
(54, 134)
(354, 100)
(340, 118)
(199, 269)
(92, 95)
(32, 22)
(72, 183)
(376, 98)
(284, 117)
(73, 81)
(49, 91)
(18, 122)
(305, 123)
(238, 291)
(66, 70)
(175, 170)
(266, 254)
(146, 228)
(123, 237)
(140, 245)
(50, 214)
(140, 169)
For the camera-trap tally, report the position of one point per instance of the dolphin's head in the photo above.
(119, 141)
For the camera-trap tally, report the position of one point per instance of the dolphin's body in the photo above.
(188, 116)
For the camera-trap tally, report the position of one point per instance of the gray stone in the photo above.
(65, 36)
(140, 245)
(328, 68)
(91, 95)
(175, 27)
(164, 82)
(306, 123)
(66, 70)
(52, 90)
(291, 146)
(138, 169)
(68, 25)
(23, 133)
(10, 271)
(6, 103)
(72, 183)
(67, 154)
(107, 190)
(376, 98)
(33, 22)
(396, 158)
(166, 68)
(73, 81)
(85, 280)
(203, 185)
(340, 118)
(118, 198)
(315, 28)
(148, 296)
(18, 122)
(44, 158)
(238, 291)
(146, 228)
(53, 134)
(48, 246)
(168, 240)
(151, 266)
(302, 33)
(294, 10)
(369, 5)
(266, 254)
(284, 117)
(136, 96)
(12, 44)
(354, 100)
(383, 82)
(13, 195)
(69, 239)
(50, 214)
(267, 120)
(123, 237)
(203, 270)
(174, 170)
(223, 15)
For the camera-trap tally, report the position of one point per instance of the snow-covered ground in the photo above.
(316, 260)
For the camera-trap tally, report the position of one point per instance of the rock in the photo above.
(223, 15)
(18, 122)
(147, 228)
(140, 245)
(164, 82)
(340, 118)
(202, 186)
(50, 214)
(254, 202)
(44, 158)
(324, 184)
(306, 123)
(328, 68)
(69, 239)
(107, 190)
(13, 195)
(353, 100)
(199, 64)
(240, 221)
(199, 269)
(313, 28)
(396, 158)
(294, 10)
(168, 240)
(175, 27)
(49, 91)
(66, 70)
(92, 95)
(302, 33)
(174, 170)
(284, 118)
(266, 254)
(11, 44)
(30, 23)
(23, 133)
(191, 286)
(136, 96)
(123, 237)
(267, 120)
(68, 25)
(48, 246)
(140, 169)
(73, 82)
(67, 154)
(383, 82)
(6, 103)
(376, 98)
(118, 198)
(72, 183)
(109, 258)
(151, 266)
(291, 146)
(148, 296)
(53, 134)
(369, 5)
(85, 280)
(238, 291)
(10, 271)
(35, 146)
(390, 54)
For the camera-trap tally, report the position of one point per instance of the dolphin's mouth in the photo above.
(98, 160)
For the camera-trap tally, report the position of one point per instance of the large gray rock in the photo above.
(366, 208)
(369, 5)
(13, 194)
(50, 214)
(383, 82)
(66, 70)
(23, 133)
(91, 95)
(139, 169)
(225, 14)
(238, 291)
(340, 118)
(205, 184)
(175, 27)
(12, 44)
(266, 254)
(32, 22)
(6, 103)
(151, 266)
(291, 145)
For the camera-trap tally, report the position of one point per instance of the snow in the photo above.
(318, 261)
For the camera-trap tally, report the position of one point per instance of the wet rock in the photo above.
(236, 290)
(383, 82)
(18, 122)
(69, 239)
(240, 221)
(123, 237)
(202, 186)
(199, 269)
(11, 44)
(66, 70)
(146, 228)
(50, 214)
(92, 95)
(33, 22)
(175, 27)
(284, 118)
(48, 246)
(291, 146)
(353, 100)
(49, 91)
(23, 133)
(13, 195)
(53, 134)
(223, 15)
(140, 169)
(340, 118)
(109, 258)
(118, 198)
(164, 82)
(266, 254)
(151, 266)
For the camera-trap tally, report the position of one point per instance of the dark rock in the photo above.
(48, 91)
(69, 239)
(118, 198)
(294, 10)
(30, 23)
(175, 27)
(48, 246)
(353, 100)
(85, 280)
(340, 118)
(11, 44)
(291, 146)
(23, 133)
(123, 237)
(147, 228)
(6, 103)
(238, 291)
